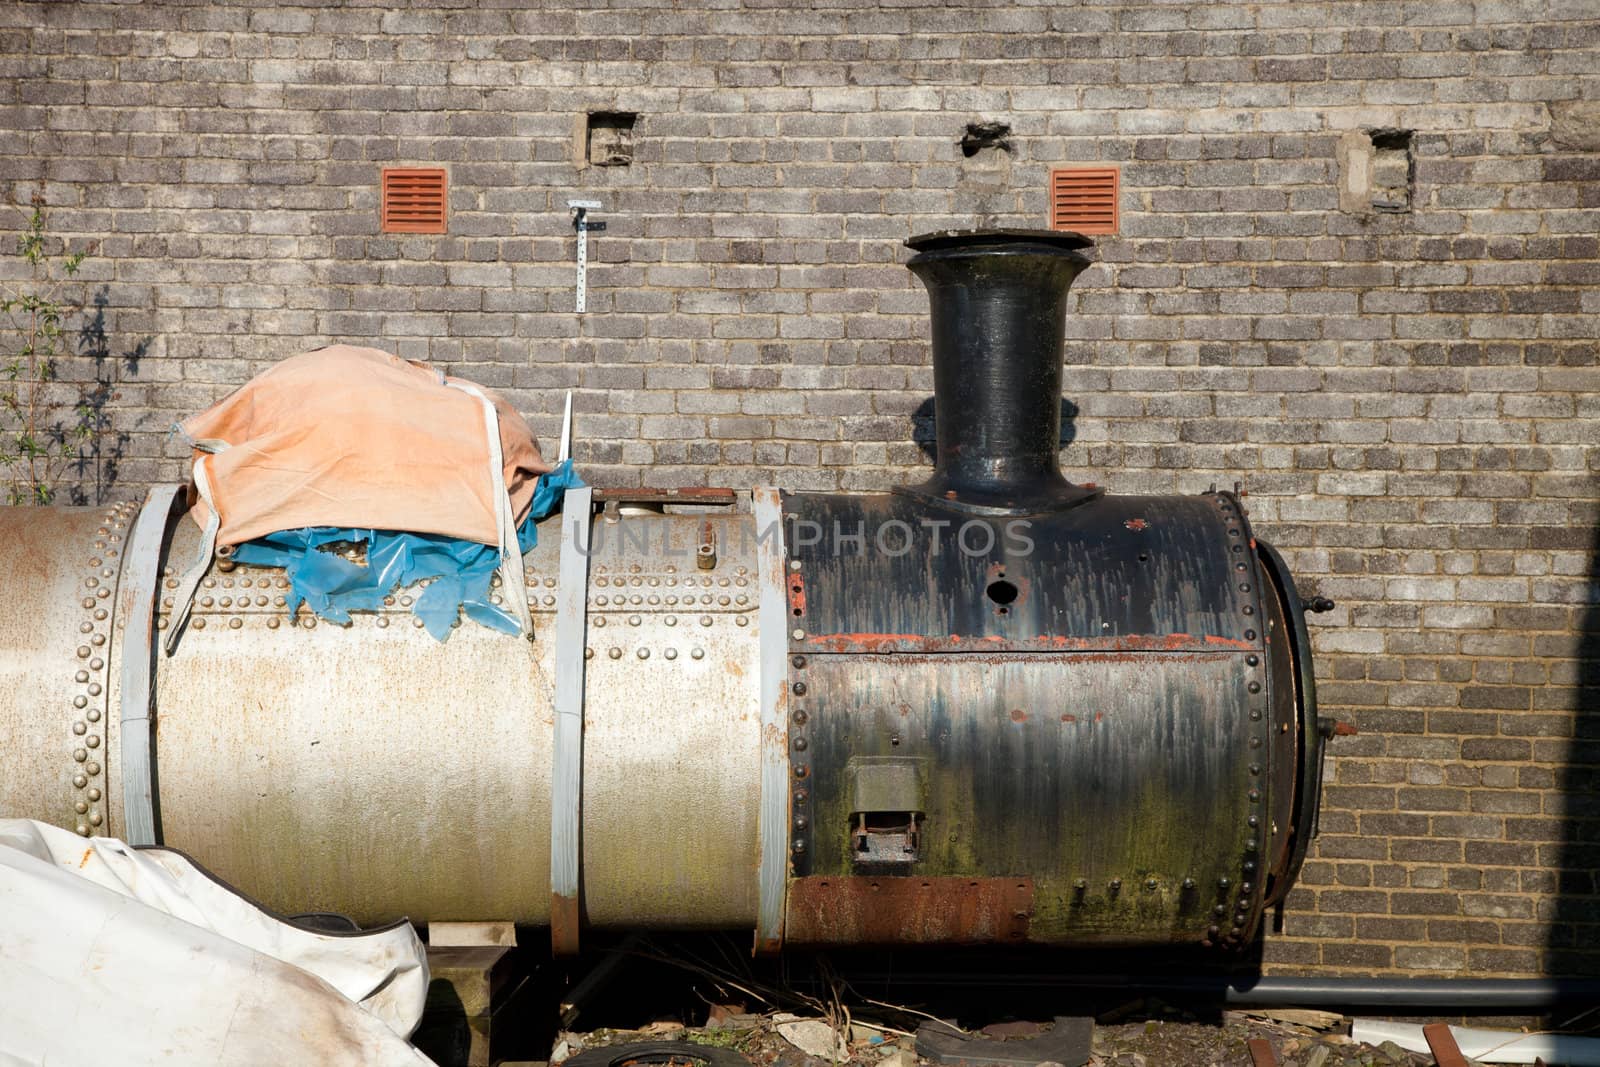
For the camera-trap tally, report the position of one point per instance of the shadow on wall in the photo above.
(924, 423)
(1574, 938)
(98, 460)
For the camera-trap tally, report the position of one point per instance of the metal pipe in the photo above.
(998, 302)
(1473, 993)
(1470, 994)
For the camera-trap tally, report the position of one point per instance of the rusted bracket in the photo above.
(566, 779)
(688, 494)
(136, 614)
(1442, 1043)
(771, 572)
(1261, 1054)
(705, 554)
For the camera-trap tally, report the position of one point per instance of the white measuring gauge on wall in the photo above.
(581, 223)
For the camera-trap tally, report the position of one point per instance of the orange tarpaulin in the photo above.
(355, 437)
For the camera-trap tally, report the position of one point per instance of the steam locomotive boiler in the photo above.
(993, 707)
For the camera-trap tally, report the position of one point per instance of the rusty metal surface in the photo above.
(370, 770)
(672, 727)
(829, 910)
(1124, 784)
(59, 570)
(876, 642)
(1146, 613)
(1115, 574)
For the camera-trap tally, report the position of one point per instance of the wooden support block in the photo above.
(465, 935)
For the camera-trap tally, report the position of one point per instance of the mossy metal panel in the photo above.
(1119, 783)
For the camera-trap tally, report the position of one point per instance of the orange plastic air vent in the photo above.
(1084, 199)
(413, 199)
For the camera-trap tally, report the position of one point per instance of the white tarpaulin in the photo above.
(111, 955)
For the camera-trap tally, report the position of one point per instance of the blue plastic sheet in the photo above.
(333, 586)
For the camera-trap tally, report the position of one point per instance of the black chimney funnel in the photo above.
(998, 301)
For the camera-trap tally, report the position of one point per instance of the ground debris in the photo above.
(1310, 1018)
(731, 1017)
(1156, 1034)
(1194, 1042)
(815, 1038)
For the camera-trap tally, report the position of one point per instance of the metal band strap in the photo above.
(772, 876)
(566, 779)
(189, 584)
(136, 613)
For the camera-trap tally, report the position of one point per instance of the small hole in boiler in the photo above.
(1144, 557)
(1001, 592)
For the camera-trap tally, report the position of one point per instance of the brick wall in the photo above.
(1408, 395)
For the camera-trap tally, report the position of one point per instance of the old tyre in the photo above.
(658, 1052)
